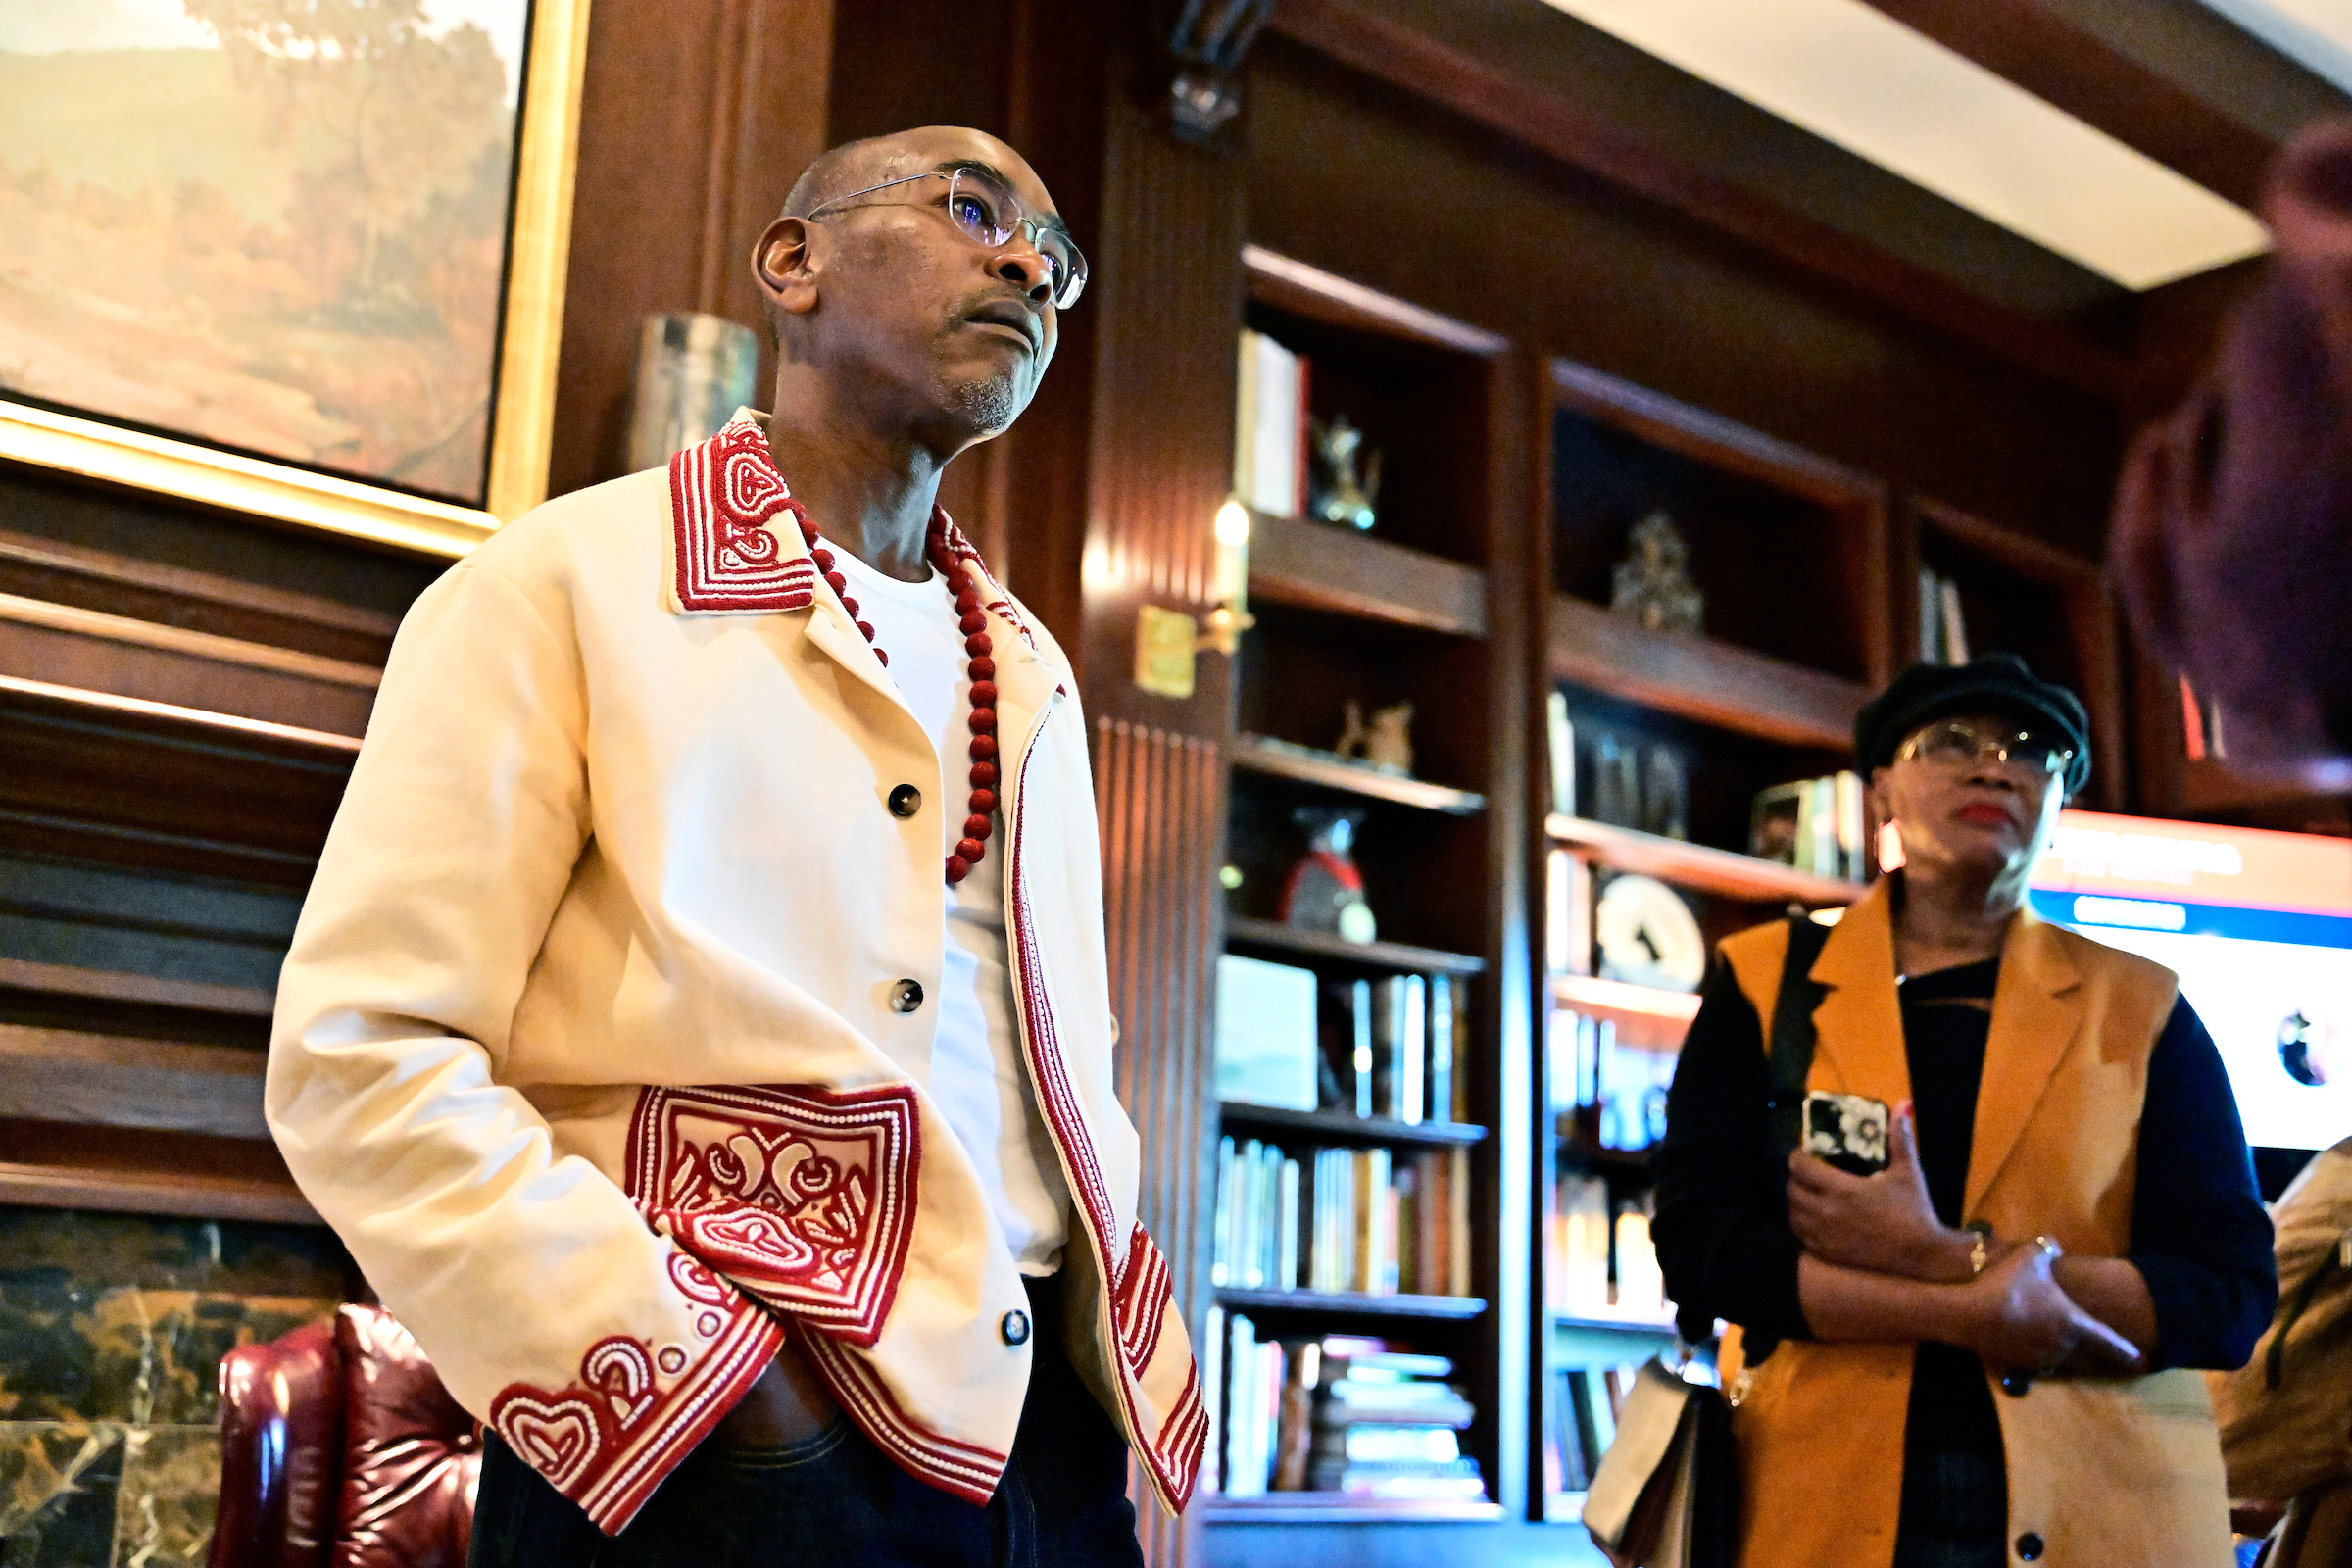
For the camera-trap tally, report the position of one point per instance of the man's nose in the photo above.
(1019, 263)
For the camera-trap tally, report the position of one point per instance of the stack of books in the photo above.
(1814, 825)
(1341, 1414)
(1943, 629)
(1340, 1219)
(1606, 1089)
(1371, 1047)
(1387, 1425)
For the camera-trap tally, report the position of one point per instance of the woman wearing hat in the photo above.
(1980, 1354)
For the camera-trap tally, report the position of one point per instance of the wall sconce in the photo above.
(1167, 641)
(1229, 585)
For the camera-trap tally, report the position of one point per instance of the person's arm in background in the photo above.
(2200, 1238)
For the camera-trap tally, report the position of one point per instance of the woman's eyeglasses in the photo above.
(989, 215)
(1956, 744)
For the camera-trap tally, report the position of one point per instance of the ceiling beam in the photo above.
(1415, 64)
(2072, 68)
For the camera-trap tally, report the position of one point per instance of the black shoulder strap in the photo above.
(1792, 1031)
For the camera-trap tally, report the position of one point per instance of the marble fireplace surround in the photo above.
(111, 1329)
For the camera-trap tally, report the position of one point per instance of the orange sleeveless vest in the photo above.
(2109, 1473)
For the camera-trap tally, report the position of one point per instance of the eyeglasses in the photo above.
(989, 215)
(1956, 744)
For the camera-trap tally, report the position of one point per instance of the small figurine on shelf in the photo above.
(1386, 743)
(1338, 496)
(1653, 583)
(1326, 891)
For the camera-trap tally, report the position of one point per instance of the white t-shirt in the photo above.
(977, 1076)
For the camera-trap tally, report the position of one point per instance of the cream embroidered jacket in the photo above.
(587, 1044)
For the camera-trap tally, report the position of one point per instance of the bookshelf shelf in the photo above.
(2212, 787)
(1339, 1508)
(1354, 1304)
(1699, 678)
(72, 1165)
(1244, 931)
(1614, 1323)
(1293, 561)
(1698, 866)
(1593, 1158)
(1259, 755)
(1617, 999)
(1342, 1127)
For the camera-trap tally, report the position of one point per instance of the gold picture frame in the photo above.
(522, 422)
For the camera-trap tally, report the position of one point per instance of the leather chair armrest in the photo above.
(281, 1452)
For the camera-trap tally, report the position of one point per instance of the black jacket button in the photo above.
(2028, 1545)
(906, 800)
(1015, 1327)
(2015, 1383)
(906, 996)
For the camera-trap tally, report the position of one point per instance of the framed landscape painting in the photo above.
(298, 258)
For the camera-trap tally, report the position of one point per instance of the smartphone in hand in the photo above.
(1846, 1131)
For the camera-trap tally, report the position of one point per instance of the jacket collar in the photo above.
(736, 549)
(2037, 1012)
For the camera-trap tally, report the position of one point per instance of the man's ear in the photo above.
(783, 264)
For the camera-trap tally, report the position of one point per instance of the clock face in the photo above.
(1648, 937)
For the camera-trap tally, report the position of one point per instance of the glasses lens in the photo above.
(982, 207)
(1951, 745)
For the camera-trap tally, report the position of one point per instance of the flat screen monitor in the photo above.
(2258, 926)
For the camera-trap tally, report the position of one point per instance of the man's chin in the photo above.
(985, 405)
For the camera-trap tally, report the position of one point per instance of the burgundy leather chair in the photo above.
(341, 1448)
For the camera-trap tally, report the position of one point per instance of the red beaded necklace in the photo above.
(973, 621)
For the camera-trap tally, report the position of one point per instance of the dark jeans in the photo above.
(835, 1499)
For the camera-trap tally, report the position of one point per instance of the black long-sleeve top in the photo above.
(2199, 1235)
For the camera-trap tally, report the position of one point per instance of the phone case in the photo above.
(1846, 1131)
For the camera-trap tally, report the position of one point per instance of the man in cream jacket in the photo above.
(699, 1028)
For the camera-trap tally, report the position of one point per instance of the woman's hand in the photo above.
(1884, 1223)
(2017, 1315)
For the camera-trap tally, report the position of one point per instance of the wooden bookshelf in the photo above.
(1615, 998)
(1254, 752)
(2021, 595)
(1701, 679)
(1328, 1127)
(1242, 931)
(1695, 865)
(66, 1165)
(1322, 568)
(1424, 609)
(1359, 1306)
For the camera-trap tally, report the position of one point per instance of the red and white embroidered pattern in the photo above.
(966, 1469)
(800, 1196)
(608, 1440)
(727, 556)
(959, 550)
(1170, 1440)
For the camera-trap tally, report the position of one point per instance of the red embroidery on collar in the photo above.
(724, 496)
(800, 1195)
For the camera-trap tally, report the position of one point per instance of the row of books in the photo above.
(1601, 1262)
(1289, 1038)
(1270, 427)
(1360, 1417)
(1586, 1401)
(1814, 825)
(1943, 629)
(1342, 1220)
(1613, 1093)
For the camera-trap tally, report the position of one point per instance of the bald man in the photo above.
(699, 1028)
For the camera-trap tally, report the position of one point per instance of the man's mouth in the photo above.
(1009, 314)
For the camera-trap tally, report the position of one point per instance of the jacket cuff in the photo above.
(608, 1441)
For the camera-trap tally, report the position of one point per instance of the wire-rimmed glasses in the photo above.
(989, 215)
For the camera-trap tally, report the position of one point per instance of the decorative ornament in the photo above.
(1386, 743)
(1337, 495)
(1326, 891)
(979, 648)
(1653, 583)
(1647, 936)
